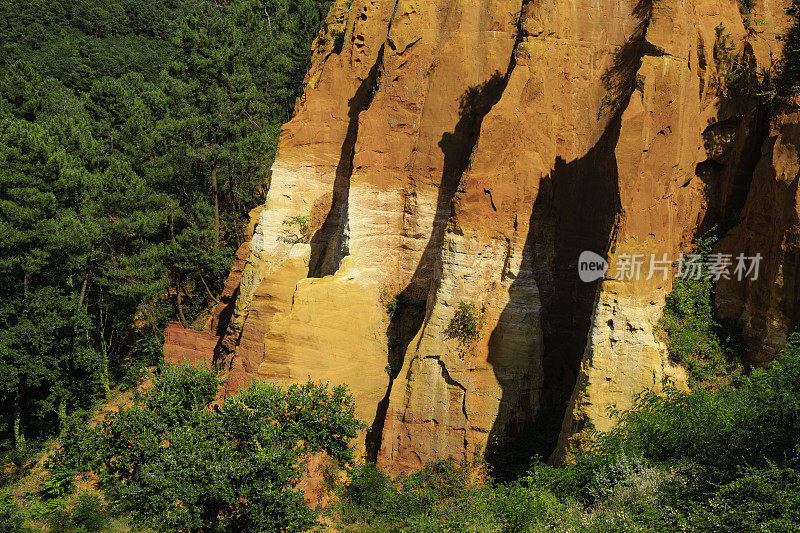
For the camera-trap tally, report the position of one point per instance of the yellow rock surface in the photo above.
(466, 152)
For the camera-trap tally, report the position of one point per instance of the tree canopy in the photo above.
(177, 464)
(134, 139)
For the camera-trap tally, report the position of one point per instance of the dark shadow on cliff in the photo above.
(620, 78)
(329, 245)
(409, 315)
(575, 210)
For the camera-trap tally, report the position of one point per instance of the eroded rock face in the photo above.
(768, 309)
(464, 152)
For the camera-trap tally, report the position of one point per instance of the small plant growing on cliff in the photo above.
(391, 303)
(724, 56)
(738, 71)
(694, 336)
(392, 299)
(605, 103)
(465, 324)
(295, 230)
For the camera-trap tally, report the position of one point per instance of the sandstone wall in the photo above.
(466, 152)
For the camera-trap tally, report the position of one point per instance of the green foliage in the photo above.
(739, 72)
(605, 103)
(392, 305)
(58, 484)
(695, 338)
(12, 519)
(760, 500)
(750, 424)
(81, 40)
(295, 230)
(702, 461)
(443, 496)
(392, 301)
(788, 78)
(746, 6)
(88, 515)
(113, 114)
(465, 324)
(175, 463)
(773, 85)
(738, 75)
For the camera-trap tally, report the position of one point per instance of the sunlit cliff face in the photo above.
(451, 155)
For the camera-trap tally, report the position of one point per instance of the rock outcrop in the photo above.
(462, 152)
(185, 345)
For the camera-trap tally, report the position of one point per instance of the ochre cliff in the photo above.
(449, 152)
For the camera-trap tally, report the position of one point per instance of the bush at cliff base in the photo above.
(176, 464)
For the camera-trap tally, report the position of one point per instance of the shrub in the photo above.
(759, 500)
(176, 464)
(59, 483)
(465, 324)
(369, 494)
(752, 421)
(738, 71)
(520, 508)
(296, 230)
(391, 301)
(443, 496)
(705, 461)
(12, 519)
(89, 513)
(695, 338)
(620, 471)
(88, 516)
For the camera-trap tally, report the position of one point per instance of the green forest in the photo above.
(135, 137)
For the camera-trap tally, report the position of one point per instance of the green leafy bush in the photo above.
(694, 336)
(442, 496)
(752, 421)
(296, 230)
(465, 324)
(88, 515)
(12, 519)
(59, 483)
(702, 461)
(739, 74)
(391, 301)
(174, 463)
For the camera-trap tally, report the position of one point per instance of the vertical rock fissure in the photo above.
(725, 206)
(417, 298)
(576, 209)
(448, 379)
(329, 243)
